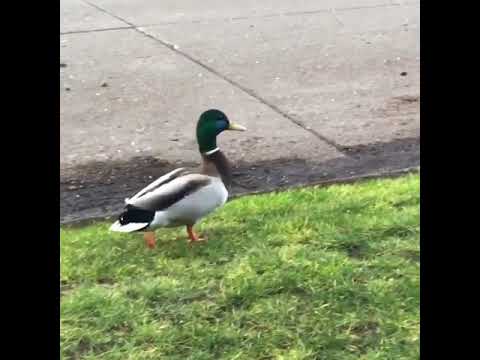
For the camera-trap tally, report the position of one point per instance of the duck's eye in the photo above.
(221, 124)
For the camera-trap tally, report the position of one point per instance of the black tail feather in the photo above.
(133, 214)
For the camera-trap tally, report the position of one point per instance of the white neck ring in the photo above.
(211, 151)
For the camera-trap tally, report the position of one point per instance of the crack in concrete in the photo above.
(248, 91)
(96, 30)
(333, 12)
(110, 14)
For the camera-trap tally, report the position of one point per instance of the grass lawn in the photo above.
(318, 273)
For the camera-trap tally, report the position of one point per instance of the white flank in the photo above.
(194, 206)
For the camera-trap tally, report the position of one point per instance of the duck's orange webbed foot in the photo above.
(193, 237)
(149, 238)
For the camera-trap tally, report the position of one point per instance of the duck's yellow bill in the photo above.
(237, 127)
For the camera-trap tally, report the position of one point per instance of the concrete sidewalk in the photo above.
(327, 89)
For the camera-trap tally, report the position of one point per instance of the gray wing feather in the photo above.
(157, 183)
(167, 194)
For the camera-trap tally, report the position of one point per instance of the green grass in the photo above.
(319, 273)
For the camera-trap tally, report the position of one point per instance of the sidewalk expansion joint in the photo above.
(96, 30)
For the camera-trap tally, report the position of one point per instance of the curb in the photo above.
(325, 183)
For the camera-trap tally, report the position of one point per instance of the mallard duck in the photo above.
(182, 197)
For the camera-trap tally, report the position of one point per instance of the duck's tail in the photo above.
(127, 228)
(133, 219)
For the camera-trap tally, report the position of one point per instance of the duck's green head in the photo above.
(210, 125)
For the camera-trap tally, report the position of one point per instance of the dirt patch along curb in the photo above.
(98, 190)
